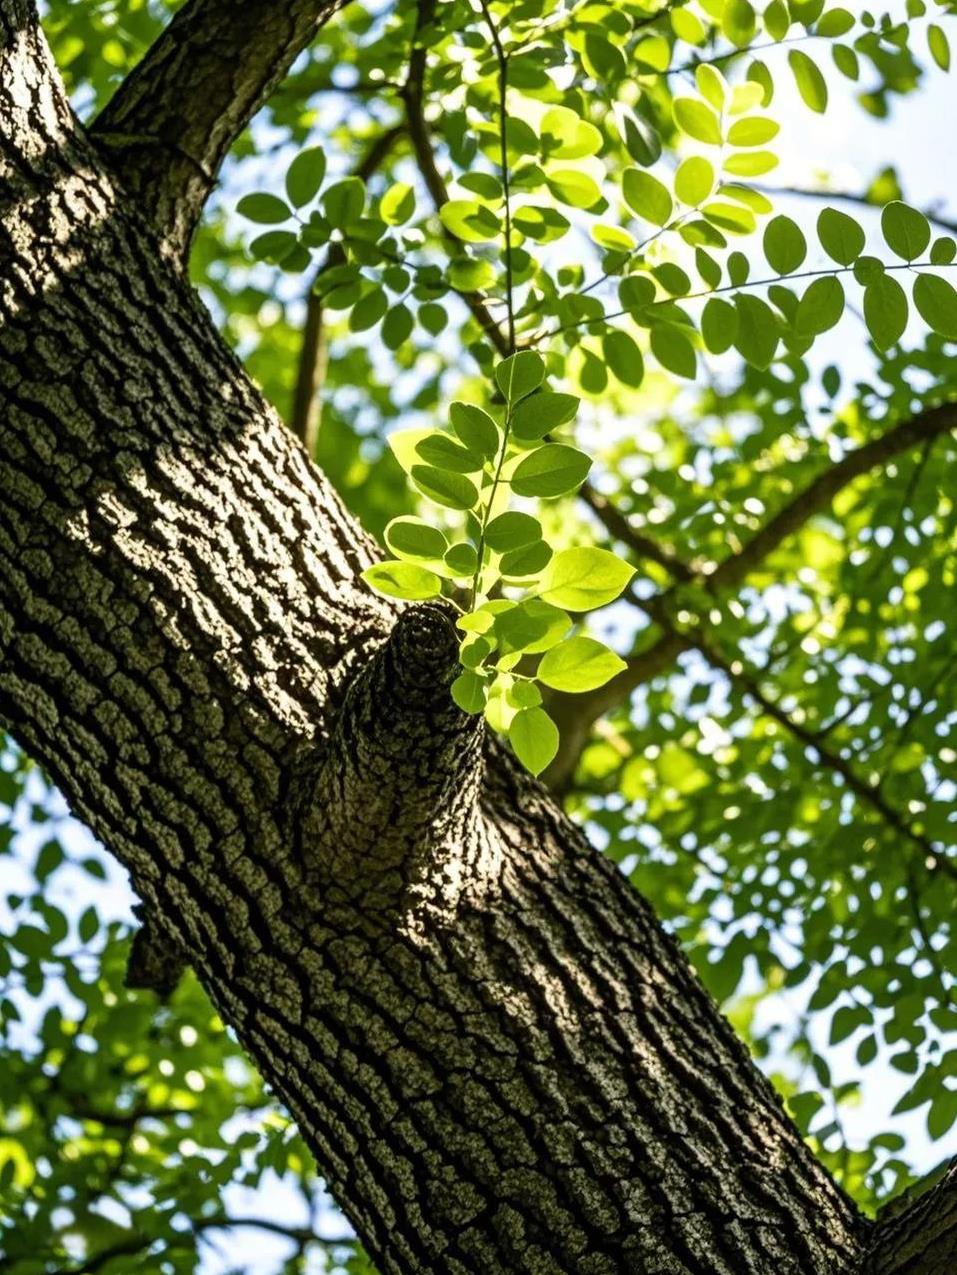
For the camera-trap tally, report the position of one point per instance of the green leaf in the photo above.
(697, 120)
(579, 664)
(810, 82)
(906, 231)
(673, 350)
(942, 1113)
(647, 196)
(469, 220)
(613, 238)
(88, 925)
(759, 74)
(445, 453)
(31, 941)
(462, 560)
(712, 85)
(757, 336)
(403, 580)
(343, 202)
(264, 208)
(885, 311)
(541, 223)
(274, 246)
(694, 180)
(939, 46)
(475, 428)
(582, 579)
(653, 53)
(719, 325)
(412, 538)
(754, 131)
(834, 23)
(543, 412)
(730, 217)
(936, 302)
(821, 306)
(777, 20)
(519, 374)
(751, 163)
(469, 275)
(454, 491)
(512, 530)
(784, 245)
(469, 692)
(624, 358)
(846, 61)
(739, 22)
(566, 136)
(577, 189)
(552, 470)
(534, 737)
(943, 251)
(604, 60)
(397, 326)
(368, 310)
(840, 235)
(397, 204)
(640, 139)
(304, 176)
(528, 561)
(530, 627)
(48, 860)
(433, 317)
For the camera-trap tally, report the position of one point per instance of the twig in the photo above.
(311, 369)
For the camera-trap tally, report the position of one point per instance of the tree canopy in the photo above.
(523, 280)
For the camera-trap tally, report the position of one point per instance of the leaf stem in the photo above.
(502, 60)
(735, 287)
(496, 478)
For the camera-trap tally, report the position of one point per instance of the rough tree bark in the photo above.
(501, 1061)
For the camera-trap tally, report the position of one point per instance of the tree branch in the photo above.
(311, 369)
(869, 794)
(413, 98)
(921, 1239)
(575, 715)
(851, 197)
(171, 123)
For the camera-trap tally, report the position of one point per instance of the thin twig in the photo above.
(311, 369)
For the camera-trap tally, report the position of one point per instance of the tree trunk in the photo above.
(501, 1061)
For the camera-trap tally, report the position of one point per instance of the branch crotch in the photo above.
(390, 823)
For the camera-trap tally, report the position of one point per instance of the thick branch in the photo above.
(819, 494)
(172, 121)
(576, 714)
(921, 1240)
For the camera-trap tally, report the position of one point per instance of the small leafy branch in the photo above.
(534, 165)
(512, 645)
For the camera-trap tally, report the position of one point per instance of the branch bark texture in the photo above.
(170, 124)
